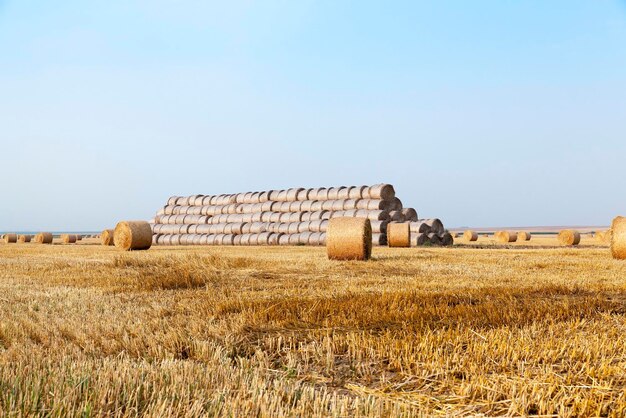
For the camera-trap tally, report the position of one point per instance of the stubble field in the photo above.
(272, 331)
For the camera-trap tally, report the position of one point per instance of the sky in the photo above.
(481, 113)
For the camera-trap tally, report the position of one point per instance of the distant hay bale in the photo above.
(618, 238)
(343, 193)
(43, 238)
(410, 214)
(337, 205)
(292, 194)
(356, 192)
(524, 236)
(396, 216)
(434, 239)
(506, 236)
(283, 239)
(447, 239)
(107, 237)
(398, 234)
(349, 239)
(294, 239)
(395, 204)
(333, 193)
(435, 225)
(569, 237)
(379, 191)
(306, 206)
(303, 195)
(419, 239)
(470, 236)
(24, 238)
(10, 238)
(133, 235)
(71, 238)
(603, 236)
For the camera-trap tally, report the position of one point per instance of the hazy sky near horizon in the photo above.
(482, 113)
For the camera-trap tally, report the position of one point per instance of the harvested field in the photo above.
(283, 331)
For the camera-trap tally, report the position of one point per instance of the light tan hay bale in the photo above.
(337, 205)
(272, 195)
(71, 238)
(379, 239)
(237, 240)
(283, 239)
(396, 216)
(294, 239)
(338, 214)
(349, 239)
(239, 198)
(43, 238)
(192, 229)
(306, 206)
(207, 200)
(263, 238)
(420, 227)
(314, 226)
(247, 198)
(378, 227)
(333, 192)
(254, 239)
(371, 204)
(304, 226)
(343, 193)
(470, 236)
(266, 217)
(349, 204)
(133, 235)
(106, 237)
(316, 206)
(419, 239)
(257, 227)
(295, 206)
(447, 239)
(569, 237)
(435, 225)
(356, 192)
(303, 195)
(350, 213)
(24, 238)
(378, 215)
(282, 196)
(322, 194)
(295, 217)
(256, 197)
(275, 217)
(314, 238)
(325, 214)
(506, 236)
(204, 229)
(257, 207)
(273, 239)
(398, 234)
(293, 228)
(284, 217)
(434, 239)
(381, 191)
(523, 236)
(395, 204)
(327, 205)
(304, 238)
(409, 214)
(292, 194)
(228, 239)
(245, 239)
(172, 200)
(267, 206)
(264, 197)
(283, 228)
(256, 217)
(10, 238)
(246, 208)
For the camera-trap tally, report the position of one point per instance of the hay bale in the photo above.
(305, 226)
(506, 236)
(419, 239)
(328, 205)
(343, 193)
(71, 238)
(294, 228)
(24, 238)
(303, 195)
(396, 216)
(603, 236)
(372, 204)
(333, 193)
(569, 237)
(398, 234)
(283, 239)
(379, 191)
(314, 238)
(395, 204)
(295, 206)
(435, 225)
(349, 239)
(379, 239)
(43, 238)
(337, 205)
(106, 237)
(10, 238)
(316, 206)
(447, 239)
(306, 206)
(470, 236)
(133, 235)
(523, 236)
(267, 206)
(304, 238)
(379, 227)
(434, 239)
(356, 192)
(294, 239)
(420, 227)
(410, 214)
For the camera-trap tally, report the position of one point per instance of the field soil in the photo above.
(480, 329)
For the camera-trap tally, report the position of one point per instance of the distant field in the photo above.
(279, 331)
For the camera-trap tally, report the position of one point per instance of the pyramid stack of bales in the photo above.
(295, 216)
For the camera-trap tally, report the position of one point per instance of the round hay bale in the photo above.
(263, 238)
(314, 226)
(322, 194)
(292, 194)
(316, 206)
(106, 237)
(304, 238)
(43, 238)
(379, 239)
(380, 191)
(371, 204)
(266, 217)
(264, 197)
(523, 236)
(172, 200)
(356, 192)
(396, 216)
(294, 239)
(314, 238)
(256, 217)
(257, 207)
(333, 193)
(323, 238)
(349, 239)
(272, 195)
(282, 196)
(569, 237)
(10, 238)
(470, 236)
(283, 239)
(434, 239)
(398, 234)
(71, 238)
(419, 239)
(295, 217)
(295, 206)
(228, 239)
(435, 225)
(343, 193)
(379, 227)
(267, 206)
(245, 239)
(349, 204)
(304, 226)
(336, 205)
(275, 217)
(447, 239)
(24, 238)
(420, 227)
(237, 240)
(395, 204)
(303, 195)
(283, 228)
(133, 235)
(293, 228)
(506, 236)
(306, 206)
(273, 238)
(327, 205)
(410, 214)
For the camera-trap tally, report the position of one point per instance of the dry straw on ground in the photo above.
(43, 238)
(569, 237)
(398, 234)
(133, 235)
(618, 238)
(470, 236)
(349, 239)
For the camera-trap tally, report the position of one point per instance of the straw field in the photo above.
(283, 331)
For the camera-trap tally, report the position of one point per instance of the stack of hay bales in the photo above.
(295, 216)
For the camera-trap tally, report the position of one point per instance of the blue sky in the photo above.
(482, 113)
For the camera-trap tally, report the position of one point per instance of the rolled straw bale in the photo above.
(523, 236)
(435, 225)
(381, 191)
(327, 205)
(314, 238)
(349, 239)
(343, 193)
(470, 236)
(172, 200)
(337, 204)
(272, 195)
(339, 214)
(395, 204)
(24, 238)
(263, 238)
(292, 194)
(283, 239)
(133, 235)
(349, 204)
(71, 238)
(569, 237)
(43, 238)
(350, 213)
(283, 207)
(257, 207)
(434, 239)
(219, 238)
(284, 217)
(316, 206)
(282, 196)
(410, 214)
(372, 204)
(161, 211)
(306, 205)
(294, 239)
(304, 238)
(322, 214)
(254, 239)
(506, 236)
(256, 197)
(237, 240)
(396, 216)
(356, 192)
(267, 206)
(303, 195)
(295, 217)
(106, 237)
(333, 193)
(283, 228)
(306, 216)
(447, 239)
(239, 198)
(293, 228)
(304, 226)
(379, 239)
(418, 239)
(258, 227)
(197, 239)
(378, 215)
(264, 197)
(322, 194)
(10, 238)
(323, 238)
(603, 236)
(273, 238)
(256, 217)
(192, 229)
(275, 217)
(247, 198)
(245, 239)
(295, 206)
(228, 239)
(398, 234)
(315, 226)
(266, 217)
(378, 227)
